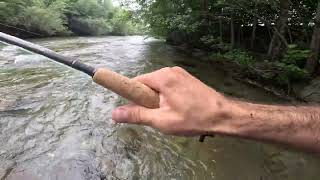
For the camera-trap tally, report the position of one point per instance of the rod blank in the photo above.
(47, 53)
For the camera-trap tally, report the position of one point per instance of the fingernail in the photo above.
(120, 115)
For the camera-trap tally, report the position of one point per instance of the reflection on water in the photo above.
(56, 124)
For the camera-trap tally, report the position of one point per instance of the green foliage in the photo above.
(35, 15)
(95, 26)
(215, 44)
(295, 56)
(120, 22)
(290, 73)
(210, 40)
(241, 57)
(91, 8)
(184, 23)
(10, 9)
(291, 65)
(44, 20)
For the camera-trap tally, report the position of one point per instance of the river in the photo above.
(55, 123)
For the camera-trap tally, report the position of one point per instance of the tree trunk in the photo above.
(221, 30)
(205, 11)
(239, 32)
(205, 6)
(290, 35)
(205, 16)
(277, 46)
(233, 38)
(253, 34)
(312, 62)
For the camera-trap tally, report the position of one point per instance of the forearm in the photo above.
(289, 125)
(189, 107)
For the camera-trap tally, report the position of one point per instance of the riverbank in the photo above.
(263, 75)
(21, 32)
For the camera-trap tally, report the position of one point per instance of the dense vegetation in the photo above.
(62, 17)
(278, 39)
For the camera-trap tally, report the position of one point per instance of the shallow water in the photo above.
(56, 124)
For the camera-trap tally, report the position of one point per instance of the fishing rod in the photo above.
(121, 85)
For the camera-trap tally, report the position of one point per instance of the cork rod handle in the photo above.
(130, 89)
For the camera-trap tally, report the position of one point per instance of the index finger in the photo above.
(154, 79)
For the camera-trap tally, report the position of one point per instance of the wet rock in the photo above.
(311, 93)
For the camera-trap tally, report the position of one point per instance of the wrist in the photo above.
(236, 116)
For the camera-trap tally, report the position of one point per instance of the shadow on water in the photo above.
(56, 124)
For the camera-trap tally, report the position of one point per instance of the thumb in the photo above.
(133, 114)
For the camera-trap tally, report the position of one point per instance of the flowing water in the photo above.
(55, 123)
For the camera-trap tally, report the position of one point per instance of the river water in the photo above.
(55, 123)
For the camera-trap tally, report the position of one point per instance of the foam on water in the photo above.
(29, 59)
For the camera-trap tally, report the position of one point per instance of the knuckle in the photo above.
(168, 77)
(165, 74)
(136, 115)
(170, 80)
(179, 69)
(166, 70)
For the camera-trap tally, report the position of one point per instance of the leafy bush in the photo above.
(122, 24)
(241, 57)
(94, 26)
(185, 23)
(210, 40)
(9, 10)
(122, 27)
(215, 44)
(3, 11)
(44, 20)
(290, 73)
(91, 8)
(295, 56)
(292, 65)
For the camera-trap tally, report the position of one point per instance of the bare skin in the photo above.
(189, 108)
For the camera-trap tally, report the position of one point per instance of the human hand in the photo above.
(187, 106)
